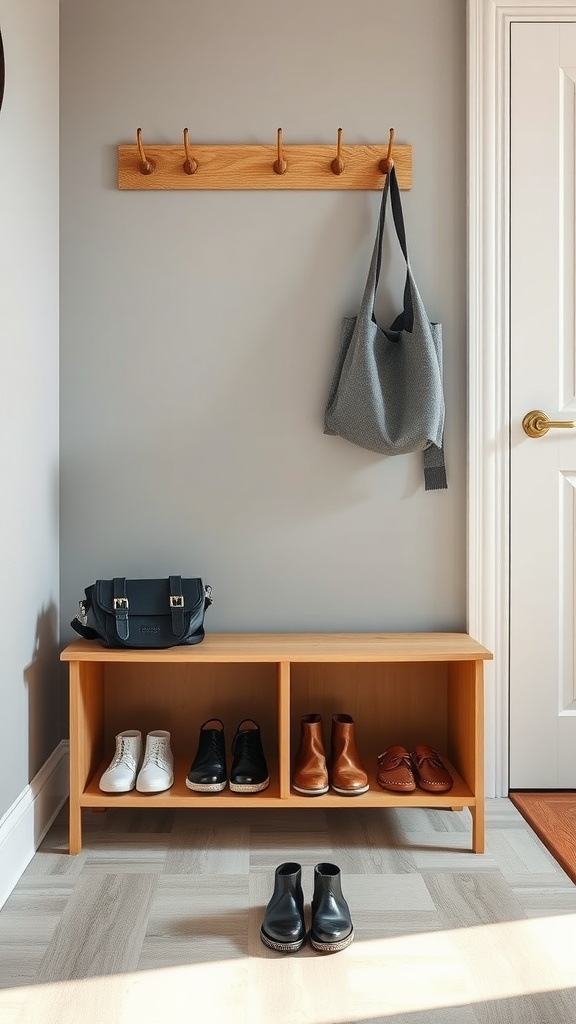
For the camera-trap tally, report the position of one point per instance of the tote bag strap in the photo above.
(433, 457)
(405, 320)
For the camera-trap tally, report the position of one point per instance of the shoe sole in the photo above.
(310, 792)
(431, 787)
(351, 792)
(392, 787)
(281, 947)
(127, 789)
(161, 789)
(213, 787)
(255, 787)
(330, 947)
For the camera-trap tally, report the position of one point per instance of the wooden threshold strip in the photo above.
(552, 816)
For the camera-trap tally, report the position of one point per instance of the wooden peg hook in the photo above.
(387, 164)
(190, 165)
(279, 166)
(146, 166)
(337, 164)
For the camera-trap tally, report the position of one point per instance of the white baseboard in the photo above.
(27, 821)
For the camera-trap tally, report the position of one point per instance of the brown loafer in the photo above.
(395, 770)
(429, 770)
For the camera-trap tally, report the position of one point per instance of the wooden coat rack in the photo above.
(188, 166)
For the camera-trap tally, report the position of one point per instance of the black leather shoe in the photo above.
(283, 927)
(249, 773)
(331, 929)
(208, 770)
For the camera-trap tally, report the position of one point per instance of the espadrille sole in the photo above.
(282, 947)
(330, 947)
(211, 787)
(254, 787)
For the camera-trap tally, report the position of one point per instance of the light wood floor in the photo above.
(158, 919)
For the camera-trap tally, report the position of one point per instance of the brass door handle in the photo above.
(536, 423)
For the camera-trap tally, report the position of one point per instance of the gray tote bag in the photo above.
(387, 393)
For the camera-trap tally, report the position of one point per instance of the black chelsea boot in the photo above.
(283, 927)
(331, 928)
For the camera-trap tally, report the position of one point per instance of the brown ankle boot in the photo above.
(348, 776)
(310, 772)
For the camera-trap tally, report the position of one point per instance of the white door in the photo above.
(543, 377)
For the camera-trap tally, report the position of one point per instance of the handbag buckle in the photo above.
(176, 601)
(120, 604)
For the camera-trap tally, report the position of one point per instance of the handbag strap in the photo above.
(405, 319)
(80, 626)
(120, 607)
(176, 601)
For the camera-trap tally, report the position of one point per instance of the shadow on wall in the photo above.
(42, 677)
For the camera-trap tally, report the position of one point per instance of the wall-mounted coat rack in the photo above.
(191, 166)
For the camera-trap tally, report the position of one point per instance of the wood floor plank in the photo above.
(520, 852)
(33, 911)
(19, 964)
(544, 901)
(304, 848)
(390, 906)
(101, 929)
(130, 819)
(90, 1001)
(448, 853)
(443, 1015)
(301, 836)
(423, 819)
(203, 919)
(12, 1005)
(523, 880)
(502, 813)
(56, 864)
(473, 899)
(216, 850)
(127, 853)
(537, 1008)
(369, 843)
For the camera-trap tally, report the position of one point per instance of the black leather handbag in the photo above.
(144, 613)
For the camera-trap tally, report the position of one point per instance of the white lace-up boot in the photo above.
(120, 776)
(157, 771)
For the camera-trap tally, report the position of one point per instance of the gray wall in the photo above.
(29, 687)
(199, 331)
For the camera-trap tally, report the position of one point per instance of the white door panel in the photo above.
(543, 376)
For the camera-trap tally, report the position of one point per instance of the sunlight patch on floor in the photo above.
(370, 979)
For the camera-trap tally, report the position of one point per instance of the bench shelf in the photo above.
(406, 688)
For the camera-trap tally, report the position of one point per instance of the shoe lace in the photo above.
(215, 743)
(431, 759)
(156, 752)
(124, 754)
(209, 749)
(394, 760)
(243, 745)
